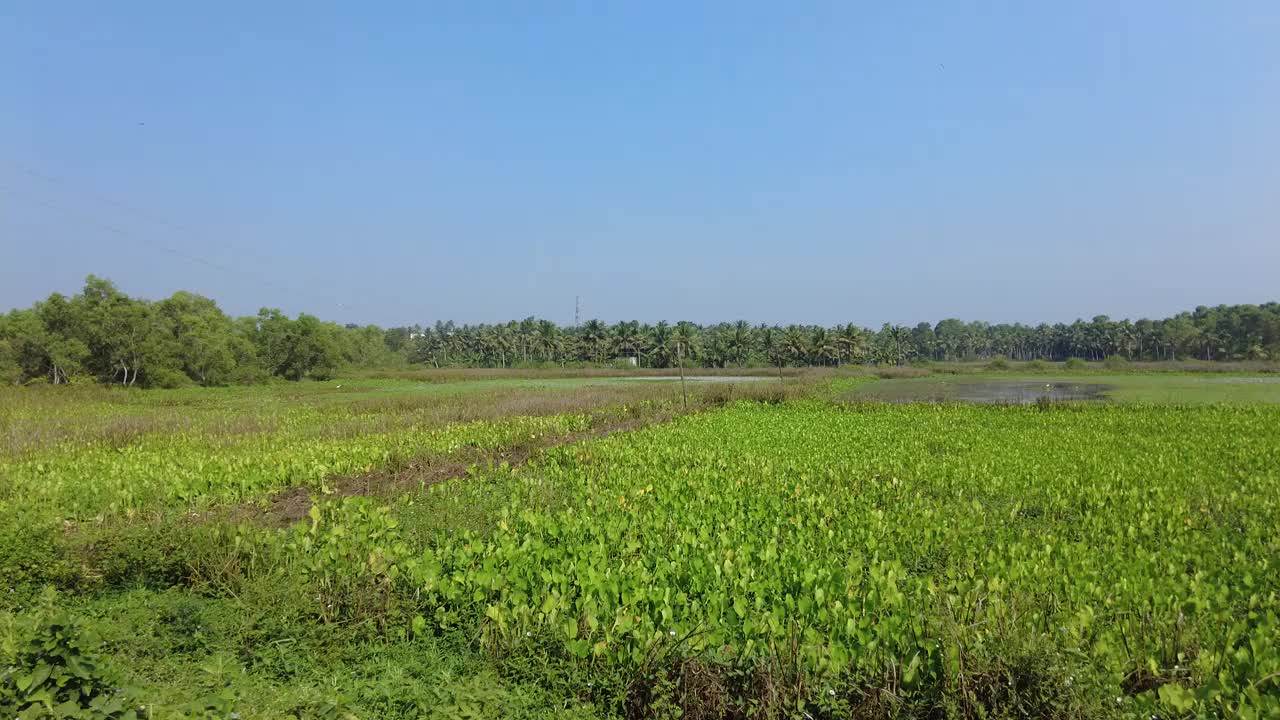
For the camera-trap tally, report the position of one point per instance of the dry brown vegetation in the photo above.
(446, 375)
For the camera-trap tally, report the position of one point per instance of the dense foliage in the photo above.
(1235, 332)
(1073, 562)
(103, 334)
(56, 673)
(768, 561)
(106, 335)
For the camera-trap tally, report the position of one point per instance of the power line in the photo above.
(85, 219)
(158, 220)
(104, 199)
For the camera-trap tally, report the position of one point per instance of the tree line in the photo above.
(104, 335)
(1225, 332)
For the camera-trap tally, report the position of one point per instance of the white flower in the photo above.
(832, 693)
(673, 633)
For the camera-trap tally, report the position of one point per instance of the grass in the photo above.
(40, 417)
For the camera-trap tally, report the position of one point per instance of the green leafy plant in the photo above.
(220, 697)
(57, 673)
(352, 553)
(922, 567)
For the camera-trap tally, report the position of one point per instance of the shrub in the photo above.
(167, 378)
(32, 554)
(998, 363)
(892, 373)
(1075, 363)
(57, 673)
(1115, 362)
(249, 374)
(1037, 365)
(148, 555)
(718, 394)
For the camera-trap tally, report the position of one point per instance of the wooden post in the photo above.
(680, 362)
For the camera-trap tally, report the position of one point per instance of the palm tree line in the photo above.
(1224, 332)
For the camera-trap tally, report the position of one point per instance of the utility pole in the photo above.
(577, 307)
(680, 362)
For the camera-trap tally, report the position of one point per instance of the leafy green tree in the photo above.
(204, 338)
(102, 333)
(894, 345)
(10, 370)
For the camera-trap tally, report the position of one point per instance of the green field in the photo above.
(482, 549)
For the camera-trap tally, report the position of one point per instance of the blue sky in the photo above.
(776, 162)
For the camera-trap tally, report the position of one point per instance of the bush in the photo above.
(10, 372)
(57, 673)
(998, 363)
(32, 554)
(1037, 365)
(1075, 363)
(893, 373)
(166, 378)
(1115, 362)
(151, 555)
(249, 374)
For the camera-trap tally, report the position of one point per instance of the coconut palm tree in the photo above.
(687, 336)
(549, 340)
(595, 339)
(822, 346)
(661, 343)
(740, 341)
(852, 342)
(795, 345)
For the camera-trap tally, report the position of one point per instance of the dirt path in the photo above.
(291, 505)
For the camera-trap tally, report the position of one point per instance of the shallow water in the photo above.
(707, 378)
(1027, 392)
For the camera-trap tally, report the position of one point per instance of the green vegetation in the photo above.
(761, 559)
(87, 451)
(103, 335)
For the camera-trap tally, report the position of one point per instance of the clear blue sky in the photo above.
(775, 162)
